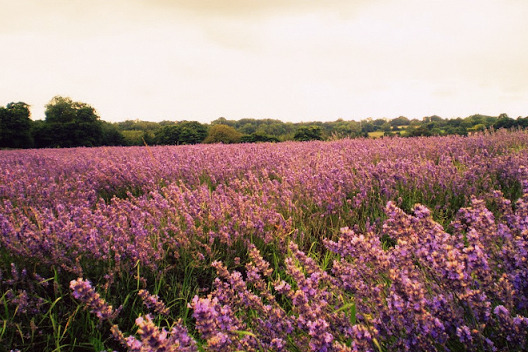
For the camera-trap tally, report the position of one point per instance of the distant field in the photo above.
(376, 134)
(393, 244)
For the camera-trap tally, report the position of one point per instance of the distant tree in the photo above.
(415, 122)
(257, 137)
(342, 129)
(167, 135)
(139, 125)
(400, 121)
(420, 131)
(379, 122)
(111, 135)
(308, 133)
(386, 128)
(224, 121)
(522, 122)
(186, 132)
(15, 126)
(366, 127)
(223, 134)
(248, 128)
(477, 127)
(69, 124)
(434, 118)
(504, 121)
(137, 137)
(192, 132)
(166, 123)
(274, 128)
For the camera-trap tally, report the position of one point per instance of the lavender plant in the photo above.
(292, 246)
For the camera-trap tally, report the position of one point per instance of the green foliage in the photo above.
(420, 131)
(504, 122)
(308, 133)
(15, 126)
(138, 125)
(400, 121)
(258, 137)
(111, 135)
(186, 132)
(69, 124)
(223, 134)
(137, 137)
(167, 135)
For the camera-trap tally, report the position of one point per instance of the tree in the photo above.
(111, 135)
(379, 122)
(186, 132)
(308, 133)
(167, 135)
(15, 126)
(192, 132)
(420, 131)
(400, 121)
(69, 124)
(224, 121)
(258, 137)
(223, 134)
(504, 121)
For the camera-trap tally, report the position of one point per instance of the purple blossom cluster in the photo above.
(83, 291)
(153, 302)
(431, 291)
(450, 274)
(153, 339)
(150, 337)
(123, 205)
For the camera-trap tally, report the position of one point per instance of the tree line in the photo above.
(70, 123)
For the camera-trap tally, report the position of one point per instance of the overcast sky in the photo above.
(294, 60)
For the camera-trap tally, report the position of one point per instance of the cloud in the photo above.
(258, 8)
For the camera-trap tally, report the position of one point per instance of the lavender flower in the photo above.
(84, 292)
(153, 302)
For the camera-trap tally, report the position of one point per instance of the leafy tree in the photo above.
(138, 125)
(308, 133)
(386, 128)
(379, 122)
(400, 121)
(522, 122)
(420, 131)
(167, 135)
(15, 126)
(137, 137)
(504, 121)
(111, 135)
(224, 121)
(248, 128)
(258, 137)
(192, 132)
(367, 127)
(186, 132)
(223, 134)
(69, 124)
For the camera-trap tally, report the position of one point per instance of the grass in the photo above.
(376, 134)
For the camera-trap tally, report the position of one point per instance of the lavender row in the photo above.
(432, 291)
(169, 198)
(148, 214)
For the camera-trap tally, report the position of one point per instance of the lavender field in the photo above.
(415, 244)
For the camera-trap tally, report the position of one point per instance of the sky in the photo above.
(293, 60)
